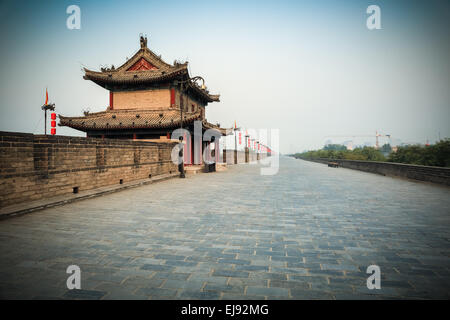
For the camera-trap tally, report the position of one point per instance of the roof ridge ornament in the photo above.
(143, 41)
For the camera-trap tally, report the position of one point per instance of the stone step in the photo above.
(193, 169)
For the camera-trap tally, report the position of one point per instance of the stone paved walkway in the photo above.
(307, 233)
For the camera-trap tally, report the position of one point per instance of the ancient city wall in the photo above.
(229, 156)
(37, 166)
(439, 175)
(253, 156)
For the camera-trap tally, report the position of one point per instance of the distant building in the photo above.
(146, 101)
(348, 145)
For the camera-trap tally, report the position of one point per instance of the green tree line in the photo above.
(437, 154)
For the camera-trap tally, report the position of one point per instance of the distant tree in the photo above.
(386, 148)
(335, 147)
(433, 155)
(442, 153)
(369, 153)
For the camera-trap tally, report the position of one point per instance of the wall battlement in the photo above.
(439, 175)
(33, 167)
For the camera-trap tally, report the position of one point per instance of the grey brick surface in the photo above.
(84, 294)
(309, 232)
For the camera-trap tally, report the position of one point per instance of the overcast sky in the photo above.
(309, 68)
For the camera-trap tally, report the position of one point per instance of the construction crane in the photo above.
(377, 136)
(377, 146)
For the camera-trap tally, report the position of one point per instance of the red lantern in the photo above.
(240, 137)
(53, 123)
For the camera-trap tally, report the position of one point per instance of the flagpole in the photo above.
(46, 107)
(45, 111)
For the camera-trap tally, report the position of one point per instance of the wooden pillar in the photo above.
(111, 101)
(216, 150)
(185, 149)
(198, 149)
(172, 97)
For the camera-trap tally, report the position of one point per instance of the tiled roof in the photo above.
(135, 76)
(223, 131)
(133, 119)
(128, 119)
(133, 72)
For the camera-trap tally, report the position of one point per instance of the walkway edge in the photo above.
(21, 209)
(435, 175)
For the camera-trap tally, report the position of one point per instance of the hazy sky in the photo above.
(309, 68)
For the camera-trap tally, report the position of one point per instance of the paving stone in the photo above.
(210, 279)
(171, 275)
(248, 282)
(289, 284)
(262, 291)
(309, 230)
(308, 279)
(168, 257)
(297, 271)
(107, 278)
(287, 259)
(178, 263)
(138, 282)
(340, 267)
(230, 273)
(226, 288)
(189, 285)
(234, 261)
(349, 281)
(252, 268)
(157, 267)
(326, 272)
(268, 275)
(397, 284)
(82, 294)
(197, 295)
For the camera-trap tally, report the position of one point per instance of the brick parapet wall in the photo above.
(36, 166)
(439, 175)
(228, 156)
